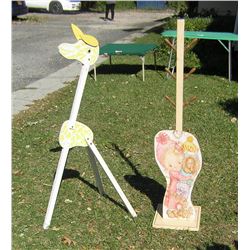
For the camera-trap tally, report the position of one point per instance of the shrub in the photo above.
(100, 5)
(191, 24)
(180, 7)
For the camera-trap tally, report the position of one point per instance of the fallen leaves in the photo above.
(21, 202)
(67, 241)
(68, 201)
(234, 120)
(81, 194)
(55, 228)
(17, 172)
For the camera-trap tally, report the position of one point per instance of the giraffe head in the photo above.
(85, 49)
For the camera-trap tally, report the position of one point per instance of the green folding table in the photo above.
(132, 49)
(219, 36)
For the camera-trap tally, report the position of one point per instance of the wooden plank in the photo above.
(170, 100)
(170, 73)
(170, 44)
(191, 44)
(179, 73)
(189, 73)
(177, 224)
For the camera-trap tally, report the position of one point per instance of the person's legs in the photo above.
(112, 8)
(107, 11)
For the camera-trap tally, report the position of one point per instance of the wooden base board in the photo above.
(177, 224)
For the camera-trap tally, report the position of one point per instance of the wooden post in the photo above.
(179, 73)
(174, 150)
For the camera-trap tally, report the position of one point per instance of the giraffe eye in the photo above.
(89, 51)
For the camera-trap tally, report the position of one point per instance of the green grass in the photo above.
(125, 114)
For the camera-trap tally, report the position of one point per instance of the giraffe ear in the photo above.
(77, 32)
(88, 39)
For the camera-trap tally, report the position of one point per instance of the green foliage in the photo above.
(86, 5)
(208, 13)
(100, 5)
(125, 5)
(191, 24)
(180, 7)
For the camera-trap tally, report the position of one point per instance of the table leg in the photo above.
(170, 56)
(155, 59)
(110, 62)
(229, 62)
(228, 49)
(143, 68)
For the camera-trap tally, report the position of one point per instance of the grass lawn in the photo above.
(125, 114)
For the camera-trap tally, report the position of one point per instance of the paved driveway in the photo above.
(34, 44)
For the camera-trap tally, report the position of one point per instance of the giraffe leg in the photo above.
(111, 177)
(55, 187)
(96, 172)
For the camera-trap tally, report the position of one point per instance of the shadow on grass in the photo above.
(236, 244)
(132, 29)
(230, 106)
(118, 69)
(71, 174)
(216, 246)
(56, 149)
(151, 188)
(126, 69)
(158, 29)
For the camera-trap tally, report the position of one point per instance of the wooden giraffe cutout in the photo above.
(74, 133)
(178, 156)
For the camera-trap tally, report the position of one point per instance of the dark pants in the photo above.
(112, 8)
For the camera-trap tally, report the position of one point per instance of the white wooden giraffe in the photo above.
(74, 133)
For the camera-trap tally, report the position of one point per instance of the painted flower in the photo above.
(162, 138)
(189, 145)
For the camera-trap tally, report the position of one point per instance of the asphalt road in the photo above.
(34, 43)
